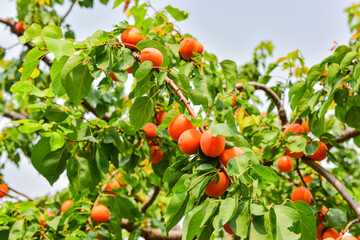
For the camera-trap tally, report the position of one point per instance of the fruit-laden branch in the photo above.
(13, 115)
(273, 96)
(148, 203)
(336, 183)
(349, 225)
(153, 234)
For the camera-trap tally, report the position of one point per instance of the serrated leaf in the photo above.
(177, 14)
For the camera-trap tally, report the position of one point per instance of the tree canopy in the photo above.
(187, 154)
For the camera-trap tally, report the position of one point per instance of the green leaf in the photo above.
(198, 97)
(52, 31)
(238, 165)
(176, 209)
(55, 74)
(117, 3)
(82, 173)
(48, 163)
(265, 173)
(229, 69)
(77, 82)
(126, 59)
(31, 62)
(333, 70)
(143, 71)
(57, 140)
(346, 61)
(308, 219)
(192, 221)
(17, 230)
(335, 217)
(286, 220)
(30, 33)
(228, 209)
(60, 47)
(141, 112)
(222, 129)
(352, 117)
(240, 223)
(311, 148)
(127, 209)
(296, 143)
(177, 14)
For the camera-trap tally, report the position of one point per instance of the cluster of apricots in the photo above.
(132, 36)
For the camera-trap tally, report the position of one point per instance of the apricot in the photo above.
(228, 229)
(305, 125)
(322, 213)
(100, 213)
(319, 154)
(294, 128)
(293, 154)
(5, 188)
(156, 154)
(179, 125)
(210, 145)
(160, 117)
(229, 153)
(66, 205)
(119, 179)
(153, 55)
(187, 48)
(189, 141)
(111, 185)
(301, 194)
(285, 163)
(150, 130)
(349, 238)
(319, 231)
(112, 76)
(216, 189)
(331, 233)
(129, 70)
(42, 221)
(233, 99)
(19, 26)
(199, 48)
(130, 37)
(308, 179)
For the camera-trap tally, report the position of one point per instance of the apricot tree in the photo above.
(187, 143)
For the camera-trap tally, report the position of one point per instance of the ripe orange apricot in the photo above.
(179, 125)
(111, 74)
(210, 145)
(301, 194)
(320, 152)
(293, 154)
(66, 205)
(322, 213)
(294, 128)
(214, 189)
(119, 179)
(229, 153)
(153, 55)
(305, 125)
(349, 238)
(130, 37)
(199, 48)
(331, 233)
(189, 141)
(187, 48)
(19, 26)
(111, 185)
(233, 99)
(319, 231)
(100, 213)
(308, 179)
(285, 163)
(129, 70)
(150, 130)
(160, 117)
(156, 154)
(228, 229)
(5, 188)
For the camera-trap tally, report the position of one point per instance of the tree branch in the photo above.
(336, 183)
(349, 225)
(299, 173)
(68, 11)
(148, 203)
(345, 135)
(22, 194)
(7, 194)
(273, 96)
(13, 115)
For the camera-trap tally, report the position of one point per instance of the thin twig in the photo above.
(148, 203)
(349, 225)
(7, 194)
(104, 186)
(22, 194)
(299, 173)
(336, 183)
(13, 115)
(68, 11)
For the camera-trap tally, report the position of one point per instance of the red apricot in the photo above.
(111, 185)
(331, 233)
(294, 128)
(216, 189)
(199, 48)
(19, 26)
(320, 152)
(228, 229)
(301, 194)
(179, 125)
(130, 37)
(66, 205)
(112, 75)
(285, 163)
(160, 117)
(150, 130)
(210, 145)
(4, 188)
(187, 48)
(189, 141)
(293, 154)
(229, 153)
(153, 55)
(100, 213)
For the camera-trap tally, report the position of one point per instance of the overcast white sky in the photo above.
(229, 29)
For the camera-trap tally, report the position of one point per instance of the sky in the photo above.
(230, 29)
